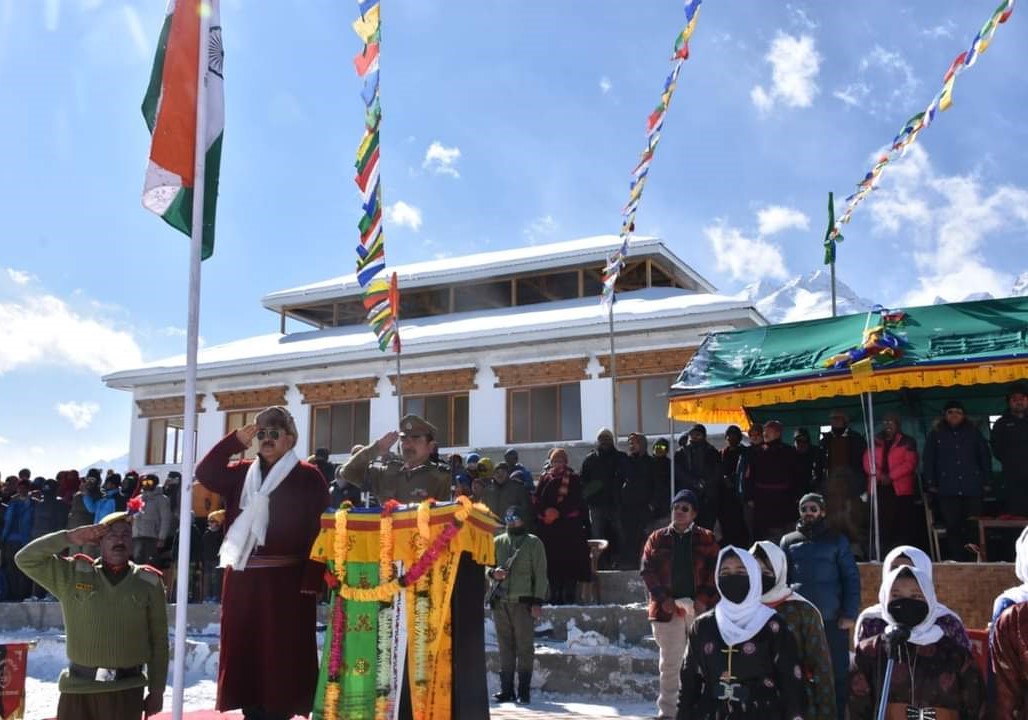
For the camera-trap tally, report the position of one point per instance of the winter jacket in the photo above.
(1010, 446)
(852, 446)
(956, 460)
(901, 466)
(155, 519)
(211, 545)
(526, 580)
(79, 515)
(698, 468)
(822, 566)
(657, 557)
(49, 515)
(637, 491)
(603, 474)
(500, 497)
(18, 520)
(774, 484)
(526, 476)
(110, 501)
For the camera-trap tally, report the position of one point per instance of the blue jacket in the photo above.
(957, 460)
(112, 501)
(18, 521)
(822, 565)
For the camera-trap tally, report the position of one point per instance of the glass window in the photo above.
(642, 404)
(449, 414)
(165, 441)
(235, 419)
(545, 414)
(340, 426)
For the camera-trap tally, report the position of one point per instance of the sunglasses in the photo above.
(683, 508)
(273, 434)
(810, 509)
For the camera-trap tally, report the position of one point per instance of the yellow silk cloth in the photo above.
(430, 701)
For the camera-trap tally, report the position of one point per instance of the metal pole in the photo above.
(833, 286)
(399, 379)
(192, 335)
(887, 683)
(872, 462)
(613, 371)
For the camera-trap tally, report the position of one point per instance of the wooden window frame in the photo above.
(512, 390)
(450, 397)
(638, 425)
(312, 435)
(179, 448)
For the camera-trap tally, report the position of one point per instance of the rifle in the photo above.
(495, 594)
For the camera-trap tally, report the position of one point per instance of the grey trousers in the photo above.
(515, 634)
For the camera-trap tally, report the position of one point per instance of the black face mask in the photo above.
(515, 531)
(908, 611)
(767, 584)
(734, 588)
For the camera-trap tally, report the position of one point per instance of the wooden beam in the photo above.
(581, 282)
(541, 373)
(336, 391)
(282, 321)
(251, 398)
(167, 406)
(670, 361)
(649, 273)
(335, 314)
(438, 382)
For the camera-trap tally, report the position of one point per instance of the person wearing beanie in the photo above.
(1009, 440)
(957, 469)
(211, 545)
(822, 566)
(698, 468)
(731, 512)
(678, 569)
(636, 495)
(152, 525)
(111, 500)
(511, 458)
(561, 525)
(603, 475)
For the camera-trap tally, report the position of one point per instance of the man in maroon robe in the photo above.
(269, 658)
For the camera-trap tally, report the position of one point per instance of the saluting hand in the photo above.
(247, 433)
(87, 535)
(387, 441)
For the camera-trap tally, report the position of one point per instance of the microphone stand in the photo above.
(895, 636)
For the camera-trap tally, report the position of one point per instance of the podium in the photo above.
(396, 576)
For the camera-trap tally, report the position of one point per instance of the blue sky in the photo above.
(505, 123)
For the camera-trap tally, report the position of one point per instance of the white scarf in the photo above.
(248, 530)
(921, 562)
(780, 564)
(1019, 593)
(738, 622)
(926, 632)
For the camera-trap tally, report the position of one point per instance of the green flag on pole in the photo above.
(831, 240)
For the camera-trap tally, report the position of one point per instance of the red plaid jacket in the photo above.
(656, 570)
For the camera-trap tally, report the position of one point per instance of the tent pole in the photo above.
(876, 538)
(833, 286)
(613, 372)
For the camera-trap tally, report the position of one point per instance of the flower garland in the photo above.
(383, 678)
(422, 607)
(335, 658)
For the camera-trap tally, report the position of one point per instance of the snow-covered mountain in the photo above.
(804, 297)
(1020, 288)
(118, 464)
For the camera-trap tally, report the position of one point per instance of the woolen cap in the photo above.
(686, 496)
(815, 498)
(953, 405)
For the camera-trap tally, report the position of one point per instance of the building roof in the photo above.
(488, 265)
(641, 310)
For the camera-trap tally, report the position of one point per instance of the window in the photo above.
(642, 404)
(544, 414)
(164, 445)
(449, 414)
(236, 419)
(340, 426)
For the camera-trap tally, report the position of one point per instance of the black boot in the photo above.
(506, 693)
(524, 688)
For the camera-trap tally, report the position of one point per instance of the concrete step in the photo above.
(621, 587)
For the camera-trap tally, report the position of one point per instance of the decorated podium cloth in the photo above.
(395, 575)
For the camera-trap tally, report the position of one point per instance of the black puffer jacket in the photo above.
(956, 460)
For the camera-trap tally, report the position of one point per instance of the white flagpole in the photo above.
(185, 523)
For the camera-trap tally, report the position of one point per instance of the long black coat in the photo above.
(956, 460)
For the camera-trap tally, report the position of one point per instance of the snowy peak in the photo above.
(804, 297)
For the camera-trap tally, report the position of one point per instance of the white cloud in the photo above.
(80, 415)
(853, 94)
(441, 160)
(19, 277)
(746, 259)
(404, 215)
(605, 85)
(946, 220)
(800, 18)
(885, 68)
(43, 329)
(940, 31)
(795, 64)
(540, 229)
(4, 441)
(775, 218)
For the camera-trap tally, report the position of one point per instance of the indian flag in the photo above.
(170, 110)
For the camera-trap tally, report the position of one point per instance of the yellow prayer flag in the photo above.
(367, 26)
(946, 98)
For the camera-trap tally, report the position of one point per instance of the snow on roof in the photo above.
(581, 317)
(484, 265)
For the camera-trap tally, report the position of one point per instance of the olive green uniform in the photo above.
(390, 480)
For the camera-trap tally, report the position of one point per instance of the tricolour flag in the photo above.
(170, 110)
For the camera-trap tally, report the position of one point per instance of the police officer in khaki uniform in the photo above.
(409, 479)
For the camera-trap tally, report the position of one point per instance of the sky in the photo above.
(504, 124)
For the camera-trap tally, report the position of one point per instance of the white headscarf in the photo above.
(738, 622)
(926, 632)
(780, 565)
(1019, 593)
(921, 562)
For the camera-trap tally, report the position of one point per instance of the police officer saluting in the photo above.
(517, 602)
(411, 479)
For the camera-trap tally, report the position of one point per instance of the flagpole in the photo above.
(399, 376)
(185, 522)
(613, 370)
(833, 285)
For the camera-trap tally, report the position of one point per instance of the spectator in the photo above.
(1008, 641)
(471, 465)
(755, 435)
(603, 474)
(511, 458)
(823, 569)
(698, 468)
(806, 457)
(933, 676)
(110, 501)
(342, 490)
(486, 469)
(957, 465)
(678, 569)
(842, 450)
(731, 509)
(212, 574)
(506, 492)
(152, 525)
(773, 484)
(67, 485)
(636, 495)
(478, 490)
(173, 490)
(80, 515)
(461, 478)
(661, 502)
(17, 533)
(896, 468)
(130, 484)
(1010, 446)
(560, 519)
(49, 513)
(327, 467)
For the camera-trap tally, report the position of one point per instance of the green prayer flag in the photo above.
(829, 240)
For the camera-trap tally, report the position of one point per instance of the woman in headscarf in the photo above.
(804, 622)
(1008, 647)
(871, 622)
(933, 676)
(741, 663)
(560, 524)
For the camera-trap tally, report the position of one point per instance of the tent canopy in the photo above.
(970, 351)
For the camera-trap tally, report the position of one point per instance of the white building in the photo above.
(507, 348)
